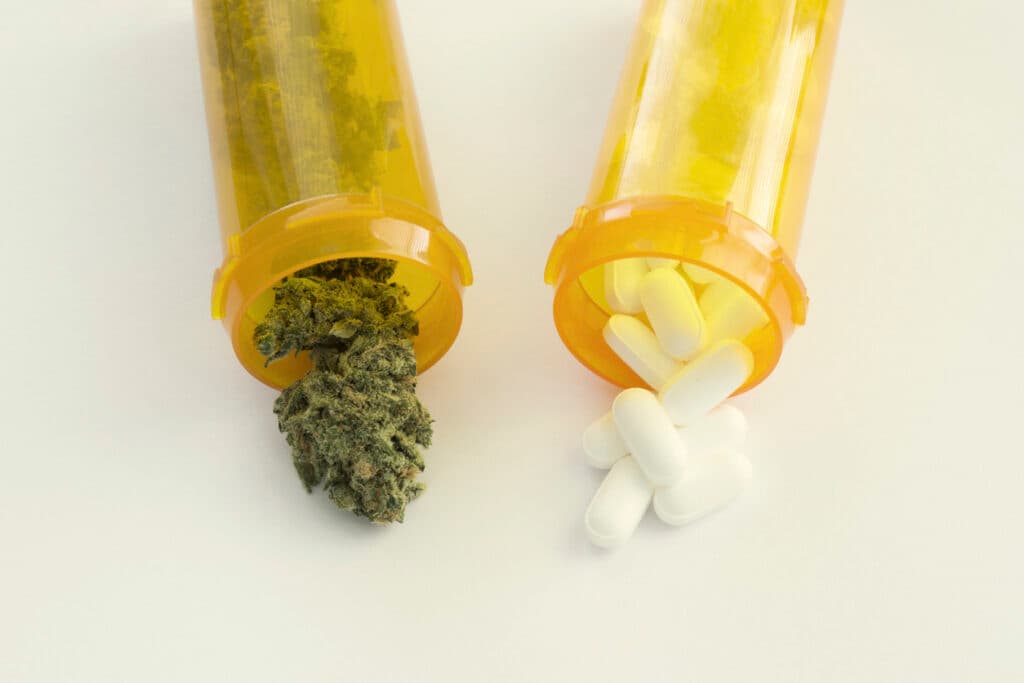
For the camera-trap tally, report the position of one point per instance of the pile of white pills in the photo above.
(680, 447)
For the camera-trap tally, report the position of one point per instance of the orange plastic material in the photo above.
(707, 158)
(319, 154)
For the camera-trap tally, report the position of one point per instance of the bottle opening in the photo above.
(746, 286)
(432, 266)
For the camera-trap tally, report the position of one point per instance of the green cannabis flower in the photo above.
(316, 313)
(354, 423)
(376, 269)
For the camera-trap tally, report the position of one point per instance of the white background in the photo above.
(152, 528)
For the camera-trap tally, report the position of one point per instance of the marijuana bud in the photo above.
(353, 422)
(312, 313)
(376, 269)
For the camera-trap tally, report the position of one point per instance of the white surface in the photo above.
(152, 528)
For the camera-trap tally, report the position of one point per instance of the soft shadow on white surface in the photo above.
(154, 530)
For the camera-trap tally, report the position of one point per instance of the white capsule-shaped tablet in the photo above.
(602, 445)
(706, 381)
(619, 504)
(717, 294)
(729, 312)
(724, 428)
(650, 436)
(653, 262)
(672, 309)
(636, 345)
(622, 280)
(712, 481)
(698, 275)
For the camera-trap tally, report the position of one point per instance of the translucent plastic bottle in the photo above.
(318, 155)
(707, 159)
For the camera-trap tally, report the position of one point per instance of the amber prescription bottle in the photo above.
(707, 159)
(319, 154)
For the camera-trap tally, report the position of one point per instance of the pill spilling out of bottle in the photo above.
(677, 446)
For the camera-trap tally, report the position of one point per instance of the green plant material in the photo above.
(376, 269)
(296, 125)
(354, 423)
(311, 313)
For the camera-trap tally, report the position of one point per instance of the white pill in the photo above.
(712, 481)
(619, 504)
(650, 436)
(724, 428)
(654, 263)
(701, 276)
(672, 309)
(706, 381)
(602, 445)
(717, 294)
(636, 345)
(622, 280)
(729, 312)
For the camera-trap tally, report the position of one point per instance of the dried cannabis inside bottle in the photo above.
(288, 67)
(354, 422)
